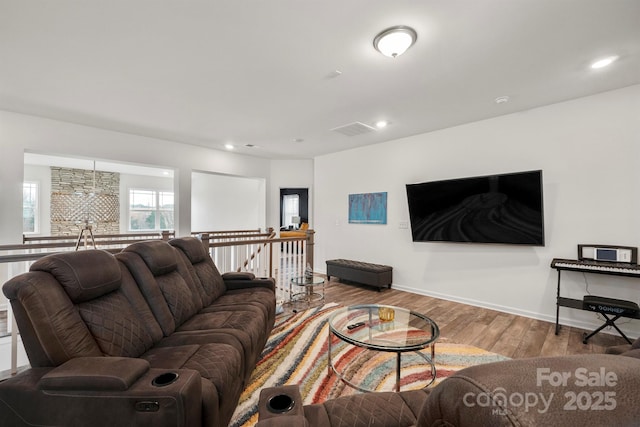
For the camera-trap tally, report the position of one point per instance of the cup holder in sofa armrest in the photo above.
(165, 379)
(280, 403)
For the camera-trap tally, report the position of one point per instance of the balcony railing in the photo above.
(262, 253)
(265, 255)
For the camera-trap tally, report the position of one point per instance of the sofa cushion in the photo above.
(115, 326)
(150, 290)
(219, 363)
(50, 326)
(178, 296)
(206, 274)
(261, 299)
(245, 324)
(192, 248)
(157, 255)
(84, 275)
(164, 263)
(139, 304)
(222, 365)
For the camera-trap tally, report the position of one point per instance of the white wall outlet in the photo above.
(404, 225)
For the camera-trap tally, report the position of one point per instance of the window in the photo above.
(150, 210)
(30, 217)
(290, 208)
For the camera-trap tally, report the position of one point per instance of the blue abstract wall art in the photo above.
(368, 208)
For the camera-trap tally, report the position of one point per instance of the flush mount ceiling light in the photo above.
(604, 62)
(394, 41)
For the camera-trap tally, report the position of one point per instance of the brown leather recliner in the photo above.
(594, 390)
(153, 336)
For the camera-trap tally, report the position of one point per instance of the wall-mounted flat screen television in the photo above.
(505, 208)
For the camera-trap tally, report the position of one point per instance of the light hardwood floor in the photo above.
(506, 334)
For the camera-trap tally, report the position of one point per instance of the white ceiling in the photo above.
(208, 72)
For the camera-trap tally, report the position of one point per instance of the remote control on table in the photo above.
(355, 325)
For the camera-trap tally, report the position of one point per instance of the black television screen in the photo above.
(506, 208)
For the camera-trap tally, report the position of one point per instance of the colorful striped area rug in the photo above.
(296, 353)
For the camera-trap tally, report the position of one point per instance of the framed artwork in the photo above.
(368, 208)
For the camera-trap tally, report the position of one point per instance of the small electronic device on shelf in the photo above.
(607, 253)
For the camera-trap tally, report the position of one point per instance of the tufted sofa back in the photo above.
(92, 303)
(72, 305)
(165, 281)
(204, 272)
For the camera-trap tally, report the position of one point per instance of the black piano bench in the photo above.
(609, 306)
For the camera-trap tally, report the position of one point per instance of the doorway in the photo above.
(294, 207)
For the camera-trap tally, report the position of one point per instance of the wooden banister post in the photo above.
(309, 250)
(271, 236)
(204, 237)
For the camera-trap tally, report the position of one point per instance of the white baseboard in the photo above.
(575, 323)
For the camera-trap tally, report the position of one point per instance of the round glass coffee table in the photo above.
(384, 328)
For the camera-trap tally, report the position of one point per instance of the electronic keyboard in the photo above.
(596, 266)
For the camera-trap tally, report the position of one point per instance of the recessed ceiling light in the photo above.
(604, 62)
(502, 99)
(165, 173)
(229, 146)
(380, 124)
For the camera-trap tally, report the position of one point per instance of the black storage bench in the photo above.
(360, 272)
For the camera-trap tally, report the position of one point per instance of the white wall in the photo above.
(588, 150)
(23, 133)
(222, 202)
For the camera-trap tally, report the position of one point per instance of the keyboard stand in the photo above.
(631, 270)
(608, 322)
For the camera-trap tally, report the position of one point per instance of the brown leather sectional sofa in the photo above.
(151, 336)
(580, 390)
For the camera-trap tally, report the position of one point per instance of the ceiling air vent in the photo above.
(353, 129)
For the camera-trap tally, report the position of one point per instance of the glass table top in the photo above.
(308, 281)
(384, 327)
